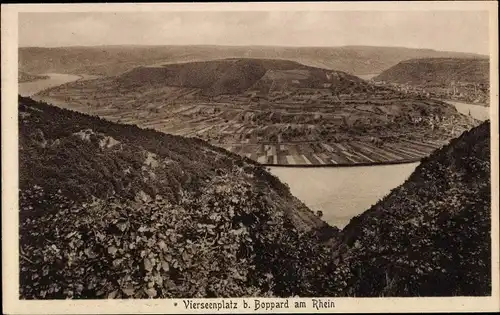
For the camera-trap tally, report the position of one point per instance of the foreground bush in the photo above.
(156, 218)
(431, 235)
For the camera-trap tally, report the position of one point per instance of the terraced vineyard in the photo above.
(279, 114)
(323, 153)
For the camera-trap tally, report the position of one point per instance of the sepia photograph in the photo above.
(265, 153)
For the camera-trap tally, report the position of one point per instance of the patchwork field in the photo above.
(287, 116)
(322, 153)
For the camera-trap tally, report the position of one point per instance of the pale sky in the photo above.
(464, 31)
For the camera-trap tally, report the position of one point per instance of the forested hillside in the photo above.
(115, 211)
(431, 235)
(438, 71)
(109, 210)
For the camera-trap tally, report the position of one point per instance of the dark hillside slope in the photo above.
(215, 77)
(110, 210)
(437, 71)
(431, 235)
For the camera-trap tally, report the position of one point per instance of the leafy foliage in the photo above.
(115, 211)
(430, 236)
(229, 241)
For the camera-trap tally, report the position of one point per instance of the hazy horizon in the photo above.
(456, 31)
(256, 45)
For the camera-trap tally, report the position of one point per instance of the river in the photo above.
(340, 192)
(55, 79)
(343, 192)
(367, 77)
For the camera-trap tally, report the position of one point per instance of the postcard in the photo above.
(250, 157)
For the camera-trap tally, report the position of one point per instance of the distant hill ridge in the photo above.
(27, 77)
(438, 71)
(234, 75)
(113, 60)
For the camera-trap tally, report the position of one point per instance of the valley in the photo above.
(100, 201)
(336, 192)
(272, 111)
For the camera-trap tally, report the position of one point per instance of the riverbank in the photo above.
(28, 89)
(404, 161)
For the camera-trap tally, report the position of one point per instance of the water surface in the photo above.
(343, 192)
(55, 79)
(367, 77)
